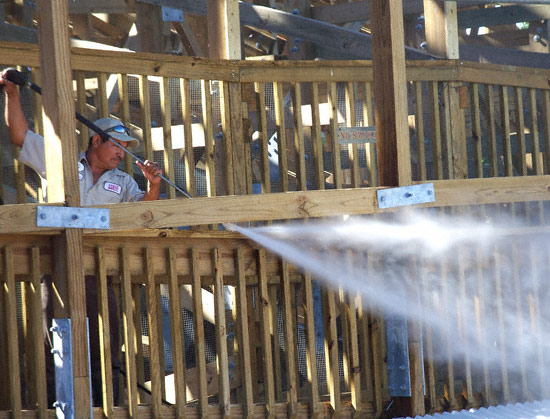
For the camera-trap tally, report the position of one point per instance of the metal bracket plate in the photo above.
(405, 195)
(63, 353)
(170, 14)
(398, 357)
(72, 217)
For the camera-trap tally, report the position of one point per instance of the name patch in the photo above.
(112, 187)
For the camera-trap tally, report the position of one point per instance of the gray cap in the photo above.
(107, 125)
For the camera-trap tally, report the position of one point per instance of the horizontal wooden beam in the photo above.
(504, 56)
(290, 205)
(504, 15)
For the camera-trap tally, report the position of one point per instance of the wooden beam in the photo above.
(290, 205)
(390, 90)
(320, 33)
(63, 183)
(98, 6)
(224, 31)
(504, 15)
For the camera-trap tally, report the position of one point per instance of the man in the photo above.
(100, 183)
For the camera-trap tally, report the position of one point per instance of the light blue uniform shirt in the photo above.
(113, 187)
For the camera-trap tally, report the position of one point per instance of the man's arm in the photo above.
(15, 119)
(151, 170)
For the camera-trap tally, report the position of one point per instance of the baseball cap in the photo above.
(117, 130)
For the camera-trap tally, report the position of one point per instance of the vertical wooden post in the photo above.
(388, 53)
(442, 39)
(63, 184)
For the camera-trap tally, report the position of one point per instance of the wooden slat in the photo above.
(176, 332)
(501, 333)
(198, 324)
(476, 130)
(535, 141)
(259, 89)
(342, 308)
(370, 149)
(225, 113)
(241, 165)
(336, 164)
(331, 350)
(140, 361)
(124, 98)
(277, 364)
(287, 295)
(166, 112)
(299, 146)
(81, 109)
(14, 376)
(208, 138)
(102, 99)
(281, 136)
(517, 260)
(316, 138)
(546, 128)
(436, 132)
(266, 324)
(152, 321)
(351, 122)
(505, 131)
(419, 127)
(39, 364)
(355, 368)
(161, 291)
(221, 336)
(128, 313)
(519, 158)
(104, 332)
(447, 148)
(311, 351)
(188, 157)
(489, 110)
(244, 335)
(145, 103)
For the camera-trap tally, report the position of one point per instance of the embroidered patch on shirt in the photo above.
(112, 187)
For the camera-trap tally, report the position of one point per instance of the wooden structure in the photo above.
(479, 132)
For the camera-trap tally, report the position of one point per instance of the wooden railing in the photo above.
(234, 128)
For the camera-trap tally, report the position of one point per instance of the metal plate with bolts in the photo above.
(72, 217)
(399, 378)
(405, 195)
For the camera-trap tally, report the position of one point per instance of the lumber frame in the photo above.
(15, 219)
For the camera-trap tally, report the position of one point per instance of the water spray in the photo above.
(20, 79)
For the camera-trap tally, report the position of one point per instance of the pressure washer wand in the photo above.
(19, 78)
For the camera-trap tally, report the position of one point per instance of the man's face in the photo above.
(108, 154)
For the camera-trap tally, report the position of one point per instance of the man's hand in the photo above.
(9, 87)
(151, 171)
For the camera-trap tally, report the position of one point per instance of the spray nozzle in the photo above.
(15, 76)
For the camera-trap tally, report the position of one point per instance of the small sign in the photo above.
(170, 14)
(356, 135)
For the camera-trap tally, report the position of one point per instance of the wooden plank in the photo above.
(198, 324)
(476, 130)
(152, 321)
(535, 141)
(508, 14)
(546, 128)
(128, 313)
(355, 368)
(227, 158)
(145, 103)
(140, 361)
(277, 364)
(459, 157)
(331, 350)
(39, 362)
(259, 90)
(221, 337)
(208, 138)
(316, 138)
(287, 295)
(241, 165)
(370, 150)
(489, 110)
(518, 257)
(311, 351)
(12, 350)
(278, 97)
(436, 132)
(176, 332)
(419, 128)
(299, 146)
(244, 335)
(352, 148)
(519, 157)
(266, 325)
(188, 39)
(334, 146)
(505, 129)
(188, 156)
(365, 348)
(224, 29)
(101, 95)
(104, 332)
(81, 109)
(124, 98)
(166, 112)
